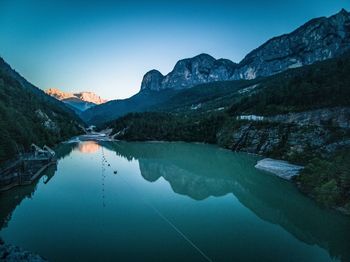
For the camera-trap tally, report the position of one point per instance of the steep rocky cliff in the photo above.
(290, 136)
(317, 40)
(190, 72)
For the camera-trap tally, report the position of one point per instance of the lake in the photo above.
(119, 201)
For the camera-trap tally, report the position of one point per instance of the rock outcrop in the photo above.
(317, 40)
(190, 72)
(280, 168)
(335, 117)
(321, 131)
(77, 101)
(83, 96)
(152, 80)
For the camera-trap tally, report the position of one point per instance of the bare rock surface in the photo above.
(280, 168)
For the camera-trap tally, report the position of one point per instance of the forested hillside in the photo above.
(302, 115)
(28, 115)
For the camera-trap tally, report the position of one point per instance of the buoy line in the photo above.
(163, 217)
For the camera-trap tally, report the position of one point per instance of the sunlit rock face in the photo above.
(90, 97)
(317, 40)
(83, 96)
(77, 101)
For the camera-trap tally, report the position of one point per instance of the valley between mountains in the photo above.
(288, 99)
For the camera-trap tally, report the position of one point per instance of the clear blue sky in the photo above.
(107, 46)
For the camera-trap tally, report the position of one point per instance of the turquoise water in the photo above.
(167, 202)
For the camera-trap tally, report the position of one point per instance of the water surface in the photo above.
(167, 202)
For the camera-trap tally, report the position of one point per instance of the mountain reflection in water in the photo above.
(203, 171)
(199, 174)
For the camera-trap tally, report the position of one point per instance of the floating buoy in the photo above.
(115, 172)
(109, 165)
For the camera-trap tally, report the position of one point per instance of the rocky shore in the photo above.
(11, 253)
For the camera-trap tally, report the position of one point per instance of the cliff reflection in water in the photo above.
(202, 171)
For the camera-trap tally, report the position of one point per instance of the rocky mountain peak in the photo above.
(58, 94)
(189, 72)
(152, 80)
(319, 39)
(340, 19)
(90, 97)
(79, 102)
(316, 40)
(83, 96)
(343, 12)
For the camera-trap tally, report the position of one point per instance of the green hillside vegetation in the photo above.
(205, 97)
(21, 126)
(322, 85)
(325, 84)
(100, 114)
(328, 180)
(169, 127)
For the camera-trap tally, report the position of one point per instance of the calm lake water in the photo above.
(167, 202)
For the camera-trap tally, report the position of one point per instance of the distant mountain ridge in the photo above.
(79, 102)
(319, 39)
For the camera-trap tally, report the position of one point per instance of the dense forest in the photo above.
(322, 85)
(325, 84)
(28, 115)
(168, 127)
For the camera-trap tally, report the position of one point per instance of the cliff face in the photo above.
(320, 131)
(190, 72)
(317, 40)
(152, 80)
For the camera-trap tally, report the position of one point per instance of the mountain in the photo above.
(301, 115)
(317, 40)
(199, 98)
(28, 115)
(190, 72)
(111, 110)
(77, 101)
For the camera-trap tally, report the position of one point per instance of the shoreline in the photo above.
(294, 166)
(281, 168)
(9, 252)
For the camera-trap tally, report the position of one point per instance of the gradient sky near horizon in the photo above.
(107, 46)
